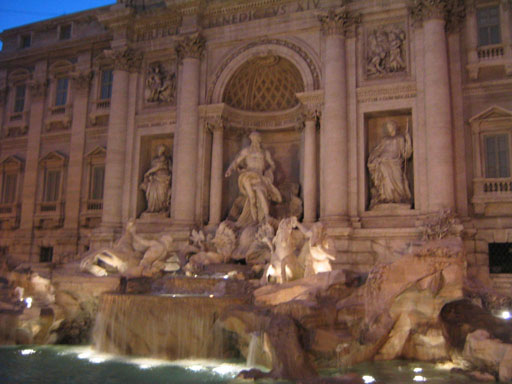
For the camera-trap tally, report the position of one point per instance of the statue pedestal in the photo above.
(391, 207)
(154, 216)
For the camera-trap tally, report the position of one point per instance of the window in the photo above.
(107, 78)
(9, 184)
(488, 20)
(19, 98)
(46, 254)
(26, 41)
(497, 162)
(65, 32)
(61, 94)
(51, 185)
(500, 257)
(97, 180)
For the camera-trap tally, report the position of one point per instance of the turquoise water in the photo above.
(68, 365)
(81, 365)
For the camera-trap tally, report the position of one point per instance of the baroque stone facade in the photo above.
(84, 117)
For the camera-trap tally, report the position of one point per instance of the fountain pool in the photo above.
(81, 365)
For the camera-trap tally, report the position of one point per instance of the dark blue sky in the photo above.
(14, 13)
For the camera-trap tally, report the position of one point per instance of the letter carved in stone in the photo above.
(190, 46)
(160, 84)
(385, 50)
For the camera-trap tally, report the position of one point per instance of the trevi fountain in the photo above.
(256, 296)
(265, 191)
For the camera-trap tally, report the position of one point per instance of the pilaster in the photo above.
(440, 160)
(184, 183)
(80, 83)
(336, 24)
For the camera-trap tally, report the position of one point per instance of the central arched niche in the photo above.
(264, 84)
(262, 93)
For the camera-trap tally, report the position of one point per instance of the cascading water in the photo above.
(165, 326)
(254, 344)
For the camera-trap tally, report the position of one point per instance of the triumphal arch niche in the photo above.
(269, 89)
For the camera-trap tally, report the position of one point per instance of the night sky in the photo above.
(14, 13)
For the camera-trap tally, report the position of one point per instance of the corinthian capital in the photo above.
(126, 59)
(452, 11)
(37, 88)
(81, 80)
(338, 22)
(190, 46)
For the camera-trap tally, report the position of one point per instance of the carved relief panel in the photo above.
(160, 83)
(385, 50)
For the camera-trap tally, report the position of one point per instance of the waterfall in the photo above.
(254, 344)
(162, 326)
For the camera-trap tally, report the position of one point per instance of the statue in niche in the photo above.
(157, 182)
(387, 166)
(385, 51)
(255, 182)
(161, 86)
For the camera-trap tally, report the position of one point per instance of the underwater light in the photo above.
(144, 366)
(97, 360)
(419, 378)
(211, 296)
(28, 301)
(506, 315)
(226, 369)
(26, 352)
(368, 379)
(418, 370)
(84, 355)
(196, 368)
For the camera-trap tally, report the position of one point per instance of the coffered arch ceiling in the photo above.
(265, 83)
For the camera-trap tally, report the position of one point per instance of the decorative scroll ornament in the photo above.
(385, 51)
(190, 46)
(126, 59)
(452, 11)
(37, 88)
(82, 80)
(338, 22)
(160, 85)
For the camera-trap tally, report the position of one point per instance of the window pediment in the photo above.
(12, 163)
(53, 159)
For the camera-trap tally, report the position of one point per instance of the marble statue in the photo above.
(255, 182)
(133, 254)
(215, 251)
(387, 166)
(284, 265)
(157, 182)
(319, 250)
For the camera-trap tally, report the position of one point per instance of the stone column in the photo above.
(80, 84)
(37, 89)
(189, 52)
(217, 171)
(333, 135)
(506, 40)
(126, 60)
(311, 118)
(471, 35)
(440, 160)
